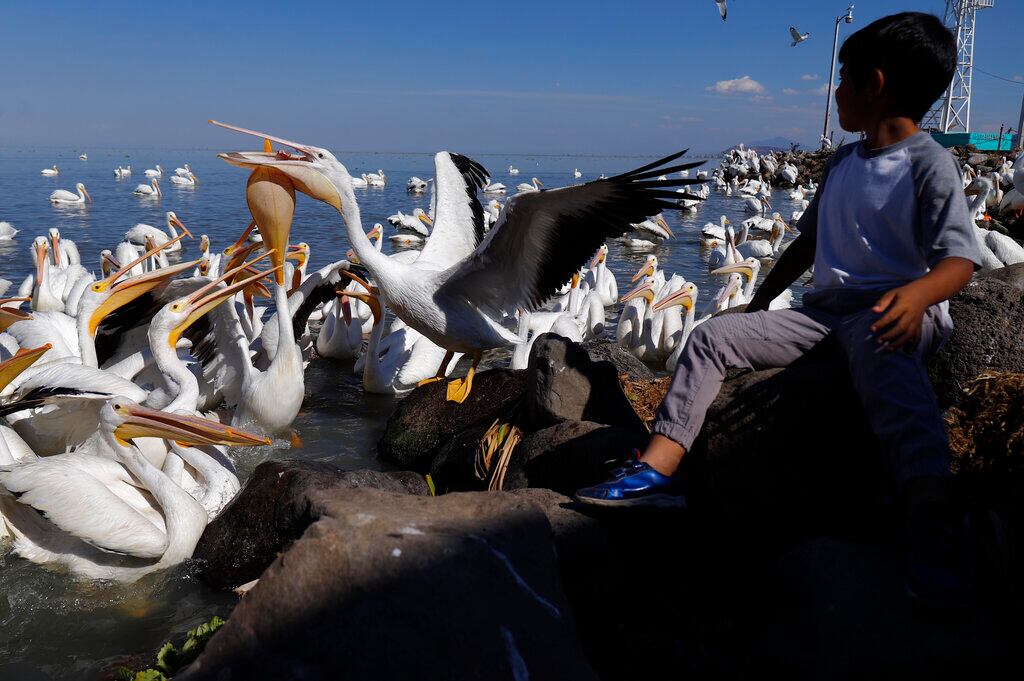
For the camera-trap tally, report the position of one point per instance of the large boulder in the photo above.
(391, 586)
(601, 350)
(570, 455)
(565, 384)
(989, 316)
(1011, 274)
(426, 420)
(273, 509)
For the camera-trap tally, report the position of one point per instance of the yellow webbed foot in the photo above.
(428, 381)
(458, 390)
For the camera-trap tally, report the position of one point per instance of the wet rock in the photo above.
(842, 613)
(1012, 275)
(273, 509)
(425, 420)
(565, 384)
(390, 586)
(453, 468)
(601, 350)
(571, 455)
(988, 315)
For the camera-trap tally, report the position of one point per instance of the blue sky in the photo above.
(532, 77)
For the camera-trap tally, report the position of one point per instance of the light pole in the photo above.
(848, 18)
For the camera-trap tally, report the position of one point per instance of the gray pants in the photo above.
(893, 386)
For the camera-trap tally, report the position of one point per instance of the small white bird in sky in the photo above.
(797, 38)
(722, 9)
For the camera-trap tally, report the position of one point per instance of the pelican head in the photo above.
(204, 244)
(748, 268)
(81, 189)
(423, 217)
(55, 240)
(600, 256)
(173, 221)
(39, 248)
(685, 297)
(108, 264)
(648, 269)
(659, 219)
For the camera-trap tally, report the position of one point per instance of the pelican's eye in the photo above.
(321, 154)
(177, 307)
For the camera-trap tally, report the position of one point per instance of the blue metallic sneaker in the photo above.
(635, 484)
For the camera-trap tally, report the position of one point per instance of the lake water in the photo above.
(54, 627)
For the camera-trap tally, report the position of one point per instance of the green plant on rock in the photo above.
(170, 660)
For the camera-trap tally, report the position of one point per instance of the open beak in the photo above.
(10, 315)
(209, 297)
(180, 225)
(13, 367)
(370, 300)
(186, 430)
(299, 169)
(271, 198)
(643, 290)
(128, 290)
(683, 296)
(297, 252)
(241, 240)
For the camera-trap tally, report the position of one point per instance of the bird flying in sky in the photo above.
(722, 9)
(797, 38)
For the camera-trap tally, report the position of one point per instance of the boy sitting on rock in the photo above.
(890, 238)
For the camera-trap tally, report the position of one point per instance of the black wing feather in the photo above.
(477, 178)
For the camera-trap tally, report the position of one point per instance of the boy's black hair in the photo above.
(916, 53)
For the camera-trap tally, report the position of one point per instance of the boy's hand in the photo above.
(904, 309)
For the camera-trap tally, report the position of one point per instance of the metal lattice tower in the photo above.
(953, 112)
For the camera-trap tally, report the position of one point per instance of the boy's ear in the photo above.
(876, 82)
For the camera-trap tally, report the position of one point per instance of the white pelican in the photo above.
(797, 214)
(104, 518)
(83, 157)
(686, 298)
(51, 172)
(534, 185)
(749, 269)
(341, 336)
(7, 231)
(151, 190)
(495, 188)
(460, 279)
(138, 234)
(765, 248)
(360, 182)
(513, 171)
(758, 205)
(576, 173)
(722, 9)
(640, 327)
(407, 240)
(562, 324)
(789, 173)
(724, 252)
(188, 180)
(416, 186)
(183, 171)
(601, 280)
(648, 234)
(711, 232)
(121, 173)
(63, 197)
(416, 223)
(64, 252)
(159, 172)
(377, 179)
(649, 270)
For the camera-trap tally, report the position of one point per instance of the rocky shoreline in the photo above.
(787, 559)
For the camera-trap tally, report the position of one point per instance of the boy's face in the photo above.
(856, 104)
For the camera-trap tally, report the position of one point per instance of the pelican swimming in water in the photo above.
(534, 185)
(51, 172)
(417, 186)
(187, 180)
(601, 280)
(495, 188)
(121, 173)
(64, 252)
(138, 235)
(183, 171)
(766, 248)
(686, 298)
(148, 190)
(62, 197)
(158, 172)
(513, 171)
(7, 231)
(416, 223)
(452, 292)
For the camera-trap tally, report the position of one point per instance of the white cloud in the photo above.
(742, 85)
(823, 90)
(790, 91)
(808, 76)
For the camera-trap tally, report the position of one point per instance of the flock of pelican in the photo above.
(121, 389)
(183, 177)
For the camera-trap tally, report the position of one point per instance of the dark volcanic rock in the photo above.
(570, 455)
(425, 420)
(453, 469)
(842, 613)
(565, 384)
(989, 319)
(388, 586)
(273, 509)
(601, 350)
(1012, 275)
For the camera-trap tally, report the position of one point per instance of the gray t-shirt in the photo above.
(885, 217)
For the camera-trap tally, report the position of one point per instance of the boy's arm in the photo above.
(904, 307)
(795, 260)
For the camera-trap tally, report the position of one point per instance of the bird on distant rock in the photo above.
(722, 9)
(797, 38)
